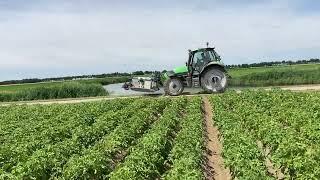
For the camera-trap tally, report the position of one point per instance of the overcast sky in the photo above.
(49, 38)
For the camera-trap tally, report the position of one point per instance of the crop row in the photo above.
(44, 131)
(50, 160)
(290, 128)
(98, 161)
(18, 123)
(143, 138)
(186, 156)
(240, 151)
(286, 123)
(146, 159)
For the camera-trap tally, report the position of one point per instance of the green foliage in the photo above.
(186, 155)
(240, 151)
(91, 140)
(285, 122)
(287, 75)
(161, 138)
(13, 88)
(97, 162)
(51, 159)
(56, 91)
(27, 129)
(71, 141)
(146, 159)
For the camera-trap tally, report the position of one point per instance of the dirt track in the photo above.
(314, 87)
(214, 168)
(311, 87)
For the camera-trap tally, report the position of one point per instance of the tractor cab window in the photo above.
(201, 58)
(212, 55)
(216, 55)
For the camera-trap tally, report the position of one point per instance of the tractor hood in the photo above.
(180, 70)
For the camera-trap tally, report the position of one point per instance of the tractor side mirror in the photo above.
(186, 63)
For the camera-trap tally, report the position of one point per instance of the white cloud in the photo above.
(124, 38)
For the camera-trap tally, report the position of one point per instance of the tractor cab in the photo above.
(200, 58)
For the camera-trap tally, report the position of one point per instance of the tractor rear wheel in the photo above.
(173, 87)
(214, 80)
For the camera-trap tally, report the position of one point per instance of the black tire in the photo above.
(173, 87)
(214, 80)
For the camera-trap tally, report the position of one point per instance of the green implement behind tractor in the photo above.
(203, 69)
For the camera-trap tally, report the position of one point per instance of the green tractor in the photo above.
(203, 69)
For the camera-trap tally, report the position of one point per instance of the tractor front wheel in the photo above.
(173, 87)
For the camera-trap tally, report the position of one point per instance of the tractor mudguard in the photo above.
(213, 64)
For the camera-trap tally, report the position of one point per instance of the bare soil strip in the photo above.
(214, 167)
(276, 173)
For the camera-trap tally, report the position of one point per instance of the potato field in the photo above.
(117, 139)
(270, 134)
(264, 135)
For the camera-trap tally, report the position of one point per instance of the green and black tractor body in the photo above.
(203, 69)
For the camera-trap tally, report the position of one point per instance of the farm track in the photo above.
(314, 87)
(214, 165)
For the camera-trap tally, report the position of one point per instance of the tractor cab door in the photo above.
(200, 59)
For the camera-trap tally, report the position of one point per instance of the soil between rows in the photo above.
(214, 166)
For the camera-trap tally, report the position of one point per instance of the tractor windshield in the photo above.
(203, 57)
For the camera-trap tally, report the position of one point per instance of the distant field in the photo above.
(21, 87)
(275, 76)
(57, 90)
(54, 91)
(246, 71)
(18, 87)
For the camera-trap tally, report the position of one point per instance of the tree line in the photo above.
(273, 63)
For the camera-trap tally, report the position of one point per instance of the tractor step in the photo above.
(195, 82)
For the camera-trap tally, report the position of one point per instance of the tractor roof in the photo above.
(201, 49)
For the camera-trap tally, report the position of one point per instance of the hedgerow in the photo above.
(56, 91)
